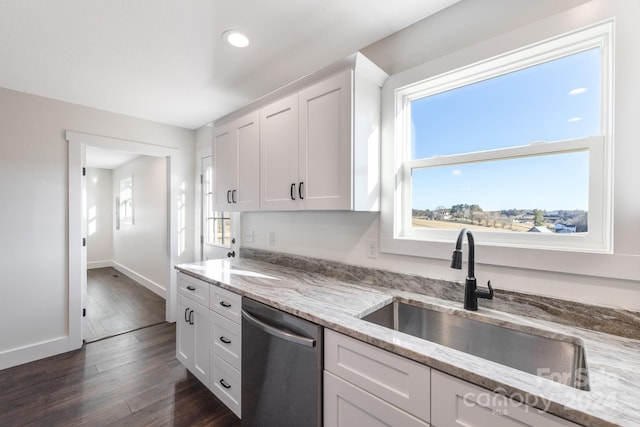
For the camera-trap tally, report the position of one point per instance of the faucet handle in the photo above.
(484, 293)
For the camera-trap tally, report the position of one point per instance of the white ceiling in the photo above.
(164, 60)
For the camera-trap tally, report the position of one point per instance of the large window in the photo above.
(516, 148)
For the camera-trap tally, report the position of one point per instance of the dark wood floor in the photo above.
(132, 379)
(117, 304)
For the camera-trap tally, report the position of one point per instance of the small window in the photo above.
(514, 148)
(125, 207)
(216, 224)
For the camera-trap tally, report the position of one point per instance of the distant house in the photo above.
(539, 229)
(563, 228)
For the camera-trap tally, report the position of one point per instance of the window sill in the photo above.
(606, 265)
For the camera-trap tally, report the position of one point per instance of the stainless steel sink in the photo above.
(548, 355)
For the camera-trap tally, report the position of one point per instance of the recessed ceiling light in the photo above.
(235, 38)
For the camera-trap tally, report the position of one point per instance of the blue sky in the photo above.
(553, 101)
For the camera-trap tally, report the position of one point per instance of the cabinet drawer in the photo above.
(459, 403)
(226, 303)
(226, 339)
(194, 289)
(346, 405)
(390, 377)
(225, 383)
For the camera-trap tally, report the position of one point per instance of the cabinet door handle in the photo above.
(225, 340)
(224, 384)
(300, 190)
(233, 196)
(225, 304)
(191, 317)
(191, 288)
(186, 315)
(292, 191)
(228, 196)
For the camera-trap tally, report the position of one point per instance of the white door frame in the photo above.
(77, 143)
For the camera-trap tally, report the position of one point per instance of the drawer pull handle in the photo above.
(225, 340)
(225, 304)
(224, 384)
(191, 288)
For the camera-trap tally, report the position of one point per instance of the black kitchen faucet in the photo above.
(471, 291)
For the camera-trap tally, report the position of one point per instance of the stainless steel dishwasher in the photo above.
(281, 368)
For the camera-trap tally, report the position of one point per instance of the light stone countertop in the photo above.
(613, 362)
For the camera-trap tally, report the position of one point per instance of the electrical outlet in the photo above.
(372, 248)
(248, 236)
(272, 238)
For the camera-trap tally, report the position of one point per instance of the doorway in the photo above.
(216, 239)
(77, 223)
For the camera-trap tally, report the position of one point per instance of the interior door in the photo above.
(216, 231)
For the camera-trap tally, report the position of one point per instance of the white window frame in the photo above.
(397, 235)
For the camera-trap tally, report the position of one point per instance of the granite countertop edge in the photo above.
(339, 305)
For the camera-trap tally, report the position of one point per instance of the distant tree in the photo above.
(538, 217)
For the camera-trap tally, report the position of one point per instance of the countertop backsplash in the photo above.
(623, 323)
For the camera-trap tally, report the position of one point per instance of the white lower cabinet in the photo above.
(367, 386)
(226, 347)
(209, 339)
(192, 338)
(459, 403)
(364, 383)
(346, 405)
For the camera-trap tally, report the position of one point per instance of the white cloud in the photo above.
(456, 172)
(574, 119)
(578, 91)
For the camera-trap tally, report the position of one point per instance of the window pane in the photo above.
(539, 194)
(553, 101)
(222, 229)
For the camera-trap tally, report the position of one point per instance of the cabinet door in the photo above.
(224, 167)
(346, 405)
(201, 327)
(247, 141)
(325, 144)
(455, 402)
(184, 332)
(279, 155)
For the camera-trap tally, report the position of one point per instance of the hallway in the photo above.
(116, 304)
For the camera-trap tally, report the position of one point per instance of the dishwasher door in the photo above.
(281, 368)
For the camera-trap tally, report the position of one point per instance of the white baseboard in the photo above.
(26, 354)
(99, 264)
(149, 284)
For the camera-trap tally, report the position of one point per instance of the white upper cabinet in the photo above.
(324, 144)
(338, 143)
(279, 155)
(319, 144)
(237, 163)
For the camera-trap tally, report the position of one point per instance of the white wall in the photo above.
(342, 236)
(33, 220)
(99, 217)
(140, 249)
